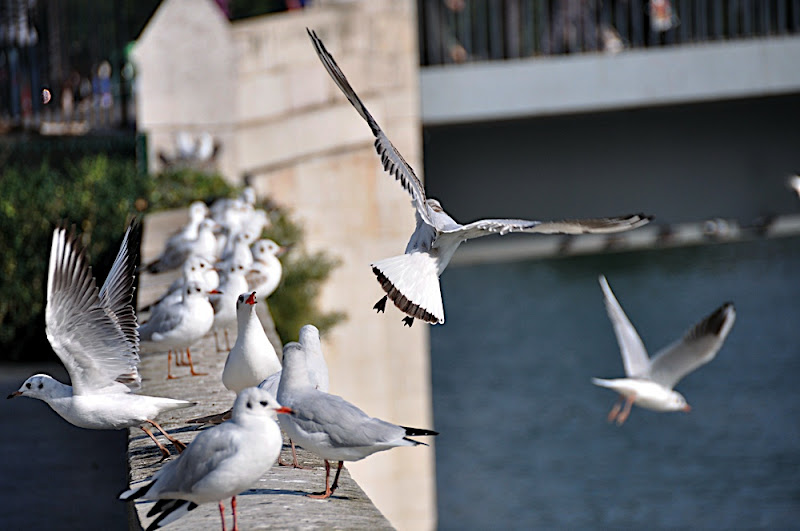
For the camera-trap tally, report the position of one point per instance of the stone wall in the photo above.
(288, 127)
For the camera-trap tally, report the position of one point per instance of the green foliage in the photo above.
(177, 189)
(99, 194)
(294, 302)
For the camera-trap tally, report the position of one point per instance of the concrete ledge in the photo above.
(279, 499)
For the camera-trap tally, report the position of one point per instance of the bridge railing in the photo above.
(458, 31)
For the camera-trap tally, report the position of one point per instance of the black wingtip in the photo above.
(416, 432)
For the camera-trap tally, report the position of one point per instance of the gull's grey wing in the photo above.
(699, 346)
(162, 320)
(344, 424)
(94, 342)
(485, 227)
(208, 451)
(393, 162)
(634, 355)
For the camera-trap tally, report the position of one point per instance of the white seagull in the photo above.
(411, 280)
(232, 282)
(252, 358)
(94, 333)
(266, 270)
(179, 325)
(328, 425)
(195, 269)
(649, 382)
(317, 372)
(177, 250)
(220, 463)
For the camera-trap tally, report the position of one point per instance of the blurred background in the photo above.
(539, 109)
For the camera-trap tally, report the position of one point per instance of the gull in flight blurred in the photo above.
(220, 463)
(329, 426)
(411, 280)
(94, 333)
(649, 382)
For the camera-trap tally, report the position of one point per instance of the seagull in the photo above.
(94, 333)
(238, 251)
(174, 255)
(649, 382)
(195, 269)
(317, 372)
(266, 269)
(328, 425)
(411, 280)
(178, 326)
(233, 281)
(220, 463)
(252, 358)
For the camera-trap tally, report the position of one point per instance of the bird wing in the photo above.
(393, 162)
(486, 227)
(93, 331)
(209, 450)
(163, 319)
(634, 355)
(699, 346)
(344, 424)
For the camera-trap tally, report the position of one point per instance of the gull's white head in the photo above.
(794, 183)
(435, 205)
(198, 210)
(43, 387)
(254, 403)
(676, 402)
(246, 304)
(264, 248)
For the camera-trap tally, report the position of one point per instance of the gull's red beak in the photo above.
(15, 393)
(687, 408)
(285, 410)
(215, 292)
(282, 251)
(251, 299)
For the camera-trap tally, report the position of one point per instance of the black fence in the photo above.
(458, 31)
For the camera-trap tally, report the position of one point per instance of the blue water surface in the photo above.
(524, 440)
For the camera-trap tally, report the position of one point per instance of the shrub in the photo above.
(99, 194)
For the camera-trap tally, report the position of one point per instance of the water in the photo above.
(524, 440)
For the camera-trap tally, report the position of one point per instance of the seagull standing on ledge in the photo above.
(411, 280)
(220, 463)
(94, 333)
(329, 426)
(649, 382)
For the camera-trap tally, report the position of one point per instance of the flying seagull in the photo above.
(94, 333)
(648, 382)
(411, 280)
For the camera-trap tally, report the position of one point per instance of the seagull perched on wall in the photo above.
(411, 280)
(649, 382)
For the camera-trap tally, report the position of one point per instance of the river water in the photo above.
(524, 440)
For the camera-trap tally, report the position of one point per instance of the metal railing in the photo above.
(457, 31)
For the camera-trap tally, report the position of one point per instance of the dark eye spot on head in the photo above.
(241, 267)
(28, 385)
(41, 385)
(202, 265)
(263, 403)
(192, 269)
(197, 290)
(249, 405)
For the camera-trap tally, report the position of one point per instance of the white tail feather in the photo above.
(415, 277)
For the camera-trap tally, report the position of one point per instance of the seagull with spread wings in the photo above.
(649, 382)
(94, 333)
(411, 280)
